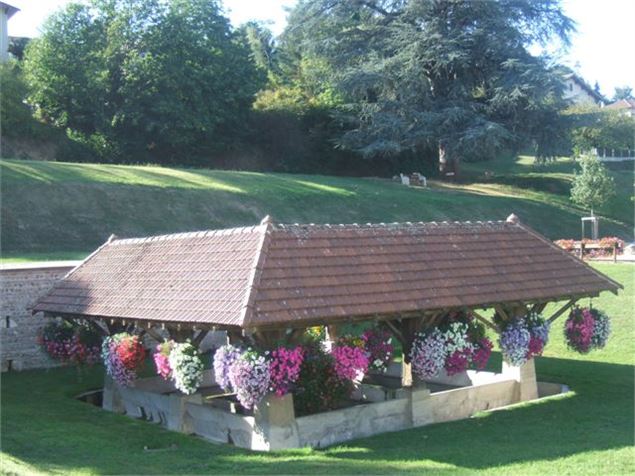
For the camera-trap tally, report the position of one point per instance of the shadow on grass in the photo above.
(45, 428)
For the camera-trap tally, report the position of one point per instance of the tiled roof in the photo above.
(622, 104)
(271, 275)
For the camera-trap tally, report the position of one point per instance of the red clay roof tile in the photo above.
(282, 275)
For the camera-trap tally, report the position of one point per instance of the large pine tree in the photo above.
(449, 74)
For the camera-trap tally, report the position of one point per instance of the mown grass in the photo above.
(550, 183)
(586, 431)
(52, 207)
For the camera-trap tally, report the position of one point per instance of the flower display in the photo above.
(122, 354)
(601, 330)
(428, 353)
(539, 334)
(250, 377)
(284, 369)
(483, 351)
(161, 359)
(455, 346)
(586, 329)
(318, 387)
(514, 342)
(68, 342)
(187, 367)
(351, 362)
(224, 357)
(457, 338)
(378, 345)
(458, 361)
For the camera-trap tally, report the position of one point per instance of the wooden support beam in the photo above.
(102, 326)
(199, 338)
(395, 331)
(538, 307)
(486, 321)
(502, 313)
(406, 374)
(560, 311)
(155, 335)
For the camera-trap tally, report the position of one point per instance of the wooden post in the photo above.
(559, 312)
(614, 252)
(331, 335)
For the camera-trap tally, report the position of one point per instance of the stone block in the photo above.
(525, 375)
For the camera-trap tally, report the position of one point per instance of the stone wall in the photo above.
(274, 425)
(20, 286)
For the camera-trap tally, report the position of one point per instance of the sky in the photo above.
(602, 50)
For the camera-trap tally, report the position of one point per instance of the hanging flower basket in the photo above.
(524, 338)
(69, 342)
(250, 378)
(378, 346)
(224, 357)
(586, 329)
(284, 369)
(161, 359)
(123, 354)
(453, 347)
(187, 367)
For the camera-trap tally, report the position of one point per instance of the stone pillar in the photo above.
(420, 410)
(275, 420)
(111, 399)
(525, 375)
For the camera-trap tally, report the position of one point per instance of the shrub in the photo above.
(318, 387)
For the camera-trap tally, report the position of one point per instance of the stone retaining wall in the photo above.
(20, 286)
(274, 425)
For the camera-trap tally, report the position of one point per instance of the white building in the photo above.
(577, 91)
(6, 12)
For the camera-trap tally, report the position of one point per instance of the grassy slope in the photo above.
(549, 183)
(587, 431)
(66, 210)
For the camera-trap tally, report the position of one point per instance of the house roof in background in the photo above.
(584, 85)
(622, 104)
(9, 9)
(297, 275)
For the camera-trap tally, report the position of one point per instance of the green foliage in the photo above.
(318, 387)
(595, 127)
(417, 74)
(15, 116)
(593, 186)
(144, 80)
(624, 92)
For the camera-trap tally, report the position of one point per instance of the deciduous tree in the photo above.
(593, 186)
(147, 80)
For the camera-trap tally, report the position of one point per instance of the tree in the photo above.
(144, 80)
(592, 127)
(454, 75)
(625, 92)
(593, 186)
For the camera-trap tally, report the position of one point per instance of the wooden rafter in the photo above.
(155, 335)
(538, 307)
(560, 311)
(486, 321)
(502, 312)
(199, 338)
(396, 331)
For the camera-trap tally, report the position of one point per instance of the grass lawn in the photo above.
(53, 209)
(550, 183)
(586, 431)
